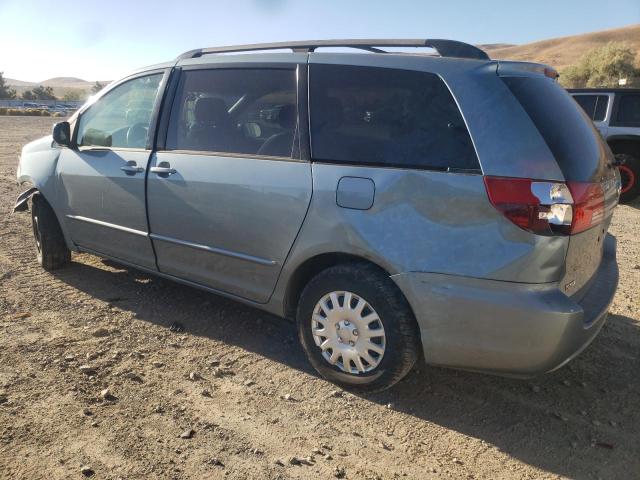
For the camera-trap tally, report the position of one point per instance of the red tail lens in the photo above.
(513, 197)
(547, 208)
(588, 205)
(539, 207)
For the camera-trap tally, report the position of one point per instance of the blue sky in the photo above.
(105, 39)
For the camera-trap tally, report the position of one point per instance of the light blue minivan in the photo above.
(396, 205)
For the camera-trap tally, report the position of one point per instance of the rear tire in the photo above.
(368, 368)
(51, 249)
(630, 176)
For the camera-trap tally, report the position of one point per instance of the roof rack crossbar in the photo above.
(445, 48)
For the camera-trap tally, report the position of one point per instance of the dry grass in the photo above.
(28, 112)
(564, 51)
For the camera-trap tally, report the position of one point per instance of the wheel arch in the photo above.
(34, 191)
(311, 267)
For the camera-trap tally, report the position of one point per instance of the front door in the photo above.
(101, 182)
(228, 195)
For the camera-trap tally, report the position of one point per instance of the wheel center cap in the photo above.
(347, 332)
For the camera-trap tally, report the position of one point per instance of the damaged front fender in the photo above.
(22, 200)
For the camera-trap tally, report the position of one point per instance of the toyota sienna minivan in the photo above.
(396, 205)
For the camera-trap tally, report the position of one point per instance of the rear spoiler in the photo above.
(524, 69)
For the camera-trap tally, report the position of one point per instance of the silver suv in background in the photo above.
(395, 205)
(616, 114)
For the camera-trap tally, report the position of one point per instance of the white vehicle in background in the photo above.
(616, 114)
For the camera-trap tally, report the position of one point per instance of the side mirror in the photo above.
(62, 134)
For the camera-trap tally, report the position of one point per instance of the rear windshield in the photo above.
(387, 117)
(565, 127)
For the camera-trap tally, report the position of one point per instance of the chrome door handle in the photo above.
(163, 168)
(131, 167)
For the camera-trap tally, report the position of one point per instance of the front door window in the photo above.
(121, 118)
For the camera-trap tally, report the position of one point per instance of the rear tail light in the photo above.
(547, 208)
(589, 205)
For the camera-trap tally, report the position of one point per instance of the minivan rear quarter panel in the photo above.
(424, 221)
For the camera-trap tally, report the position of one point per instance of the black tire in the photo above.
(630, 175)
(51, 249)
(400, 327)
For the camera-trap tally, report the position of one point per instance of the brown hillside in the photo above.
(559, 52)
(60, 85)
(66, 82)
(564, 51)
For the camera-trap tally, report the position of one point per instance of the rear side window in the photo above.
(237, 111)
(568, 132)
(594, 105)
(628, 111)
(388, 117)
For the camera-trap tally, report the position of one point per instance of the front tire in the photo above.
(51, 249)
(356, 328)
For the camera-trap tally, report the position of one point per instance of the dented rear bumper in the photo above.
(508, 328)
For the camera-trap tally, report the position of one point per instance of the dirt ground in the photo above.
(237, 384)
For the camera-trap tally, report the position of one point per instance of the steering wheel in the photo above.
(137, 136)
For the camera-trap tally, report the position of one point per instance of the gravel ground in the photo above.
(232, 395)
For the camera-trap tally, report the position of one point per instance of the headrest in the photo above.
(288, 116)
(210, 110)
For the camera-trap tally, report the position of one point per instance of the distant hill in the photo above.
(564, 51)
(557, 52)
(60, 85)
(67, 82)
(56, 82)
(18, 83)
(493, 46)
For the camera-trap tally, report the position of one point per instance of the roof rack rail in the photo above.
(445, 48)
